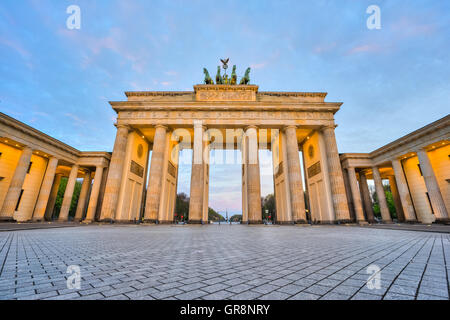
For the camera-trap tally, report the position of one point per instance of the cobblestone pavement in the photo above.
(224, 262)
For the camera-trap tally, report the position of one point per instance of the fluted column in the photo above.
(83, 195)
(340, 203)
(253, 177)
(396, 198)
(15, 187)
(154, 188)
(437, 202)
(295, 176)
(46, 188)
(52, 199)
(68, 194)
(197, 175)
(93, 199)
(115, 172)
(385, 214)
(367, 201)
(356, 195)
(403, 192)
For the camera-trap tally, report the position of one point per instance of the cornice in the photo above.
(417, 134)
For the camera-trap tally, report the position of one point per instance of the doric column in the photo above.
(396, 198)
(15, 187)
(340, 203)
(115, 172)
(253, 177)
(83, 195)
(295, 176)
(52, 199)
(46, 188)
(403, 192)
(356, 195)
(367, 201)
(68, 194)
(93, 200)
(154, 188)
(437, 202)
(197, 175)
(385, 214)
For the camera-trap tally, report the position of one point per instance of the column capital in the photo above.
(121, 125)
(199, 124)
(290, 127)
(329, 126)
(251, 127)
(161, 126)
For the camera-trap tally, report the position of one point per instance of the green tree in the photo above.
(214, 216)
(236, 218)
(389, 200)
(268, 203)
(60, 198)
(182, 207)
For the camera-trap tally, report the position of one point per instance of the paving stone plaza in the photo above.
(224, 262)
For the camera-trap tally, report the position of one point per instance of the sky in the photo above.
(391, 80)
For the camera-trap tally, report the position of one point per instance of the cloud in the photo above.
(363, 48)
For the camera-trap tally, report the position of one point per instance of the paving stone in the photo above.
(212, 263)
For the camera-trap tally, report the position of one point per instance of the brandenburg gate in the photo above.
(224, 115)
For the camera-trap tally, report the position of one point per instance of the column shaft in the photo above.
(340, 203)
(253, 178)
(154, 188)
(68, 194)
(437, 202)
(403, 192)
(52, 199)
(295, 176)
(15, 187)
(46, 188)
(396, 198)
(356, 195)
(114, 181)
(93, 200)
(367, 201)
(197, 176)
(83, 195)
(385, 214)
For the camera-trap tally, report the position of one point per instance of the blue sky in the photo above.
(392, 81)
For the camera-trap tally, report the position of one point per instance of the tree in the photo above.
(182, 207)
(60, 197)
(268, 203)
(214, 216)
(236, 218)
(389, 200)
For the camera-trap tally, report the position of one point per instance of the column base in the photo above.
(301, 221)
(107, 220)
(443, 221)
(410, 221)
(344, 221)
(284, 223)
(362, 222)
(150, 221)
(38, 220)
(195, 221)
(255, 222)
(165, 221)
(387, 222)
(7, 219)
